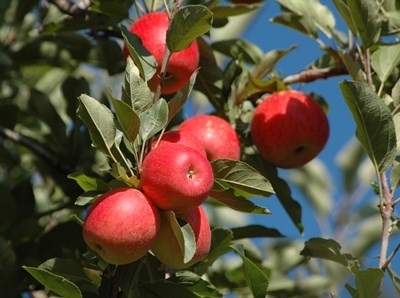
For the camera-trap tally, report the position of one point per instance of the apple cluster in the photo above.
(124, 224)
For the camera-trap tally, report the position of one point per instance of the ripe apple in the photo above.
(167, 249)
(176, 177)
(180, 137)
(289, 128)
(217, 135)
(121, 226)
(152, 30)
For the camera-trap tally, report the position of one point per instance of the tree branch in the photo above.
(37, 148)
(310, 75)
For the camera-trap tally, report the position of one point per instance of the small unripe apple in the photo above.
(121, 226)
(176, 177)
(216, 134)
(179, 137)
(167, 249)
(289, 128)
(152, 30)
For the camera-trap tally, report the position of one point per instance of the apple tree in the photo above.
(90, 108)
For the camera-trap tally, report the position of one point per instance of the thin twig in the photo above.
(71, 8)
(310, 75)
(39, 149)
(390, 258)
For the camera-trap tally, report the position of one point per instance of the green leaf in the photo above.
(368, 283)
(327, 249)
(238, 48)
(99, 121)
(196, 284)
(349, 160)
(71, 270)
(221, 240)
(256, 279)
(241, 177)
(188, 23)
(127, 118)
(366, 20)
(111, 8)
(344, 11)
(222, 12)
(375, 126)
(238, 203)
(395, 278)
(135, 91)
(143, 59)
(178, 101)
(308, 16)
(385, 59)
(153, 120)
(88, 183)
(253, 231)
(56, 283)
(314, 181)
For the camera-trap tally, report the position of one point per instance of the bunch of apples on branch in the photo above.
(173, 171)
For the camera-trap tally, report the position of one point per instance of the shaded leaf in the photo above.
(253, 231)
(395, 278)
(127, 118)
(256, 279)
(327, 249)
(56, 283)
(196, 284)
(375, 127)
(229, 199)
(221, 240)
(178, 101)
(88, 183)
(368, 283)
(143, 59)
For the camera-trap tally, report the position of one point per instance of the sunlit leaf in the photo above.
(244, 179)
(99, 120)
(375, 126)
(368, 283)
(188, 23)
(366, 20)
(153, 120)
(88, 183)
(385, 59)
(135, 91)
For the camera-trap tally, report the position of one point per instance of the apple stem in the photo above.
(163, 71)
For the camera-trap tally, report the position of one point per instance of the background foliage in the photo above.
(62, 73)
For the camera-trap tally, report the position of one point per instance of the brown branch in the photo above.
(37, 148)
(70, 8)
(310, 75)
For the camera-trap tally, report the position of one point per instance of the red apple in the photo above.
(167, 248)
(152, 29)
(176, 177)
(179, 137)
(217, 135)
(121, 226)
(289, 129)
